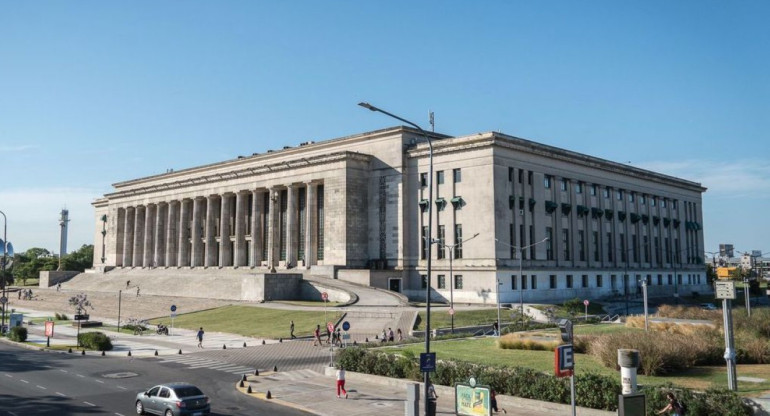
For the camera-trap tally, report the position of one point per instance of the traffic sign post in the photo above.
(48, 332)
(565, 357)
(725, 290)
(428, 362)
(585, 303)
(173, 315)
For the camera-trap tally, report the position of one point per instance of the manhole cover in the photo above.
(125, 374)
(381, 404)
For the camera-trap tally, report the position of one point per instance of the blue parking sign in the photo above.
(428, 362)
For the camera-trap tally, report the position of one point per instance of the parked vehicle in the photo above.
(173, 399)
(708, 306)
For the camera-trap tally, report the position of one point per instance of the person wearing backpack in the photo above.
(674, 406)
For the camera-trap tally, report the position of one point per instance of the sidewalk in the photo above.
(315, 393)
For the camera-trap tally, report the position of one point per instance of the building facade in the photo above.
(355, 208)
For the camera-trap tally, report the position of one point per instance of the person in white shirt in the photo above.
(341, 382)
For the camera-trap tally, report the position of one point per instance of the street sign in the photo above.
(330, 326)
(324, 296)
(173, 315)
(3, 300)
(472, 400)
(428, 362)
(564, 360)
(173, 308)
(586, 302)
(724, 289)
(451, 311)
(83, 317)
(49, 328)
(346, 326)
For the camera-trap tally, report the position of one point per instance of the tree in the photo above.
(79, 260)
(28, 265)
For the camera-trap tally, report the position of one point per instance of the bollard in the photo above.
(103, 354)
(69, 350)
(244, 345)
(263, 342)
(180, 351)
(83, 352)
(628, 360)
(241, 384)
(224, 346)
(256, 372)
(156, 353)
(243, 378)
(249, 389)
(268, 395)
(280, 340)
(366, 339)
(275, 368)
(129, 353)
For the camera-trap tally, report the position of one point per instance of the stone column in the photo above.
(241, 256)
(159, 258)
(138, 257)
(310, 224)
(183, 258)
(272, 235)
(172, 234)
(291, 226)
(128, 237)
(149, 234)
(255, 256)
(225, 246)
(211, 243)
(197, 243)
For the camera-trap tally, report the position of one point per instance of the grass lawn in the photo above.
(251, 321)
(485, 351)
(308, 303)
(440, 318)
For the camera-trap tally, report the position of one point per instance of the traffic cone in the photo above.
(243, 378)
(241, 384)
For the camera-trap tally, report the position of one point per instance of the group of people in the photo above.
(332, 337)
(25, 294)
(389, 336)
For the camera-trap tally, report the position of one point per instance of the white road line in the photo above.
(25, 381)
(12, 414)
(41, 387)
(99, 381)
(119, 414)
(80, 375)
(8, 375)
(121, 387)
(61, 394)
(90, 404)
(63, 371)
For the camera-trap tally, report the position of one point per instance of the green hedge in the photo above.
(95, 341)
(592, 390)
(18, 334)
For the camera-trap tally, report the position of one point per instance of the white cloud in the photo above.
(18, 148)
(738, 178)
(33, 216)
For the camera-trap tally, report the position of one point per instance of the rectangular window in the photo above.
(619, 194)
(609, 247)
(441, 281)
(579, 188)
(658, 257)
(440, 253)
(320, 230)
(613, 282)
(532, 246)
(440, 177)
(667, 245)
(549, 243)
(533, 281)
(513, 282)
(660, 280)
(674, 205)
(547, 181)
(457, 175)
(642, 200)
(512, 239)
(646, 249)
(458, 241)
(521, 175)
(599, 282)
(654, 201)
(630, 197)
(529, 178)
(423, 180)
(597, 250)
(565, 243)
(510, 174)
(524, 282)
(564, 184)
(623, 251)
(423, 281)
(584, 280)
(424, 243)
(569, 281)
(669, 280)
(663, 203)
(282, 225)
(606, 192)
(458, 281)
(302, 216)
(593, 190)
(635, 247)
(581, 245)
(552, 281)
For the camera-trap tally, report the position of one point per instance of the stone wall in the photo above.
(51, 278)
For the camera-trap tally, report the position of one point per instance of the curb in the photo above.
(263, 395)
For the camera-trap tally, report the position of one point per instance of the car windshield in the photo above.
(187, 391)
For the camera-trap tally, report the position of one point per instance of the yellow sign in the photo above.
(472, 401)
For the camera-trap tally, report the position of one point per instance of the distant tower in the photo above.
(63, 220)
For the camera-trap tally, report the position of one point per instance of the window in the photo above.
(564, 184)
(521, 175)
(533, 281)
(569, 281)
(531, 246)
(635, 247)
(510, 174)
(646, 249)
(458, 241)
(581, 245)
(642, 199)
(663, 203)
(552, 281)
(565, 243)
(669, 280)
(549, 243)
(529, 178)
(457, 175)
(619, 194)
(524, 282)
(613, 282)
(423, 180)
(606, 192)
(458, 281)
(584, 280)
(441, 281)
(597, 252)
(513, 282)
(441, 242)
(423, 281)
(660, 280)
(547, 181)
(609, 247)
(623, 251)
(440, 177)
(674, 204)
(653, 201)
(424, 243)
(164, 392)
(599, 280)
(579, 188)
(512, 239)
(593, 190)
(630, 197)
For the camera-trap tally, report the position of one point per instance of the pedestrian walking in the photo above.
(496, 328)
(317, 335)
(493, 401)
(432, 397)
(58, 287)
(137, 291)
(200, 337)
(400, 334)
(391, 336)
(291, 330)
(20, 294)
(128, 283)
(341, 382)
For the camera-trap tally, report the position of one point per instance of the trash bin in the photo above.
(431, 403)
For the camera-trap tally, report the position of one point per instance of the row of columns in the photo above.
(239, 229)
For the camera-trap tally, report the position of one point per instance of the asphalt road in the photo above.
(55, 384)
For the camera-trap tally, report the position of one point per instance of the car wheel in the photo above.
(169, 412)
(139, 407)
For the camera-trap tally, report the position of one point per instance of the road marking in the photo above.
(119, 414)
(8, 375)
(121, 387)
(41, 387)
(90, 404)
(63, 371)
(80, 375)
(61, 394)
(99, 381)
(25, 381)
(12, 414)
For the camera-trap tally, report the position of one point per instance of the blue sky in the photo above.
(95, 92)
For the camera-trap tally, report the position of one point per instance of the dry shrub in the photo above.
(752, 350)
(689, 312)
(661, 352)
(517, 342)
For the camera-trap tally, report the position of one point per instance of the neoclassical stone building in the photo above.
(355, 208)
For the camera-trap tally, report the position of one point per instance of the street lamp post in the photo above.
(5, 245)
(520, 254)
(452, 248)
(428, 241)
